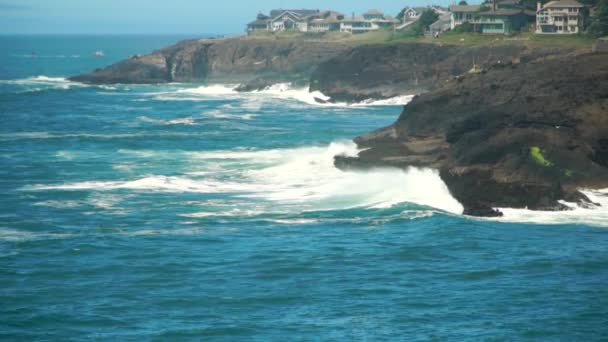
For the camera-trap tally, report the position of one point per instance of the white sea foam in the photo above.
(217, 114)
(14, 235)
(288, 180)
(596, 216)
(281, 91)
(189, 121)
(41, 83)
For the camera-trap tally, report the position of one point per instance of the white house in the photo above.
(462, 14)
(560, 17)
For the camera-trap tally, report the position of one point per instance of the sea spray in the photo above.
(293, 180)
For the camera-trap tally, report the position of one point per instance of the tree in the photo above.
(401, 15)
(463, 3)
(599, 26)
(427, 18)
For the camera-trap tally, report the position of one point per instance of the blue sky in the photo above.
(164, 16)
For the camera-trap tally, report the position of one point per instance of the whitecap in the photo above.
(291, 181)
(188, 121)
(593, 215)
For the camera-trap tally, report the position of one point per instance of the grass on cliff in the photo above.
(386, 36)
(537, 155)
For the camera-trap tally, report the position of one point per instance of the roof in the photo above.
(508, 2)
(258, 22)
(464, 8)
(355, 19)
(373, 12)
(502, 12)
(299, 12)
(563, 3)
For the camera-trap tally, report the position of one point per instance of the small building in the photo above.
(462, 14)
(371, 20)
(356, 25)
(560, 17)
(329, 21)
(500, 21)
(412, 13)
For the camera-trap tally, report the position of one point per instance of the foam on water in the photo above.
(41, 83)
(281, 91)
(189, 121)
(291, 180)
(595, 216)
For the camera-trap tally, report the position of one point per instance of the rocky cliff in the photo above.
(384, 71)
(516, 135)
(222, 60)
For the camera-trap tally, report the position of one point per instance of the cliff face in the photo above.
(516, 135)
(384, 71)
(222, 60)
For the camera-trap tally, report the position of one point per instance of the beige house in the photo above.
(462, 14)
(560, 17)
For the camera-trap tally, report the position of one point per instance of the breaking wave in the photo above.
(42, 83)
(596, 216)
(281, 91)
(289, 181)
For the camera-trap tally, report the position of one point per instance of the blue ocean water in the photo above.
(190, 212)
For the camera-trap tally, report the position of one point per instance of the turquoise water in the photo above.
(189, 212)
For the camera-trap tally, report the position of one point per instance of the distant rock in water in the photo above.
(221, 60)
(524, 135)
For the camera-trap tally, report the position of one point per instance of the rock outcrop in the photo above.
(384, 71)
(235, 60)
(515, 135)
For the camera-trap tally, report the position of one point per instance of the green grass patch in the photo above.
(537, 155)
(388, 36)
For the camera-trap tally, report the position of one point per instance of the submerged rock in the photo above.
(524, 135)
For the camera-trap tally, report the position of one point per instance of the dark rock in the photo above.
(533, 140)
(234, 60)
(385, 71)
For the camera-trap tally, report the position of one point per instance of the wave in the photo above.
(594, 216)
(43, 83)
(317, 98)
(291, 181)
(180, 121)
(280, 91)
(14, 235)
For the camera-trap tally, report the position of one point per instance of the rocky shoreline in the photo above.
(506, 126)
(516, 135)
(252, 62)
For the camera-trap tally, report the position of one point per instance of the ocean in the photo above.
(192, 212)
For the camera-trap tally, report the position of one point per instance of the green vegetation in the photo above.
(458, 36)
(427, 18)
(599, 26)
(537, 155)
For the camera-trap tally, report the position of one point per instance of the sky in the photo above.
(163, 16)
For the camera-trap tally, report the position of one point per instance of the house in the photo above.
(329, 21)
(462, 14)
(560, 17)
(288, 20)
(500, 21)
(371, 20)
(316, 21)
(412, 13)
(262, 23)
(284, 20)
